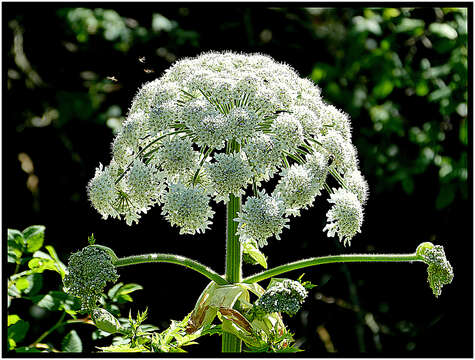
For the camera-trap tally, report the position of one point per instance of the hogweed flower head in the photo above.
(225, 123)
(439, 270)
(88, 272)
(261, 218)
(188, 208)
(346, 215)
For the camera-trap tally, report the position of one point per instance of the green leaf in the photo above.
(446, 196)
(35, 284)
(26, 349)
(422, 89)
(16, 237)
(121, 295)
(57, 300)
(12, 319)
(113, 290)
(59, 265)
(410, 25)
(123, 348)
(16, 246)
(18, 330)
(40, 264)
(91, 240)
(72, 343)
(34, 237)
(383, 89)
(128, 288)
(251, 248)
(22, 283)
(443, 30)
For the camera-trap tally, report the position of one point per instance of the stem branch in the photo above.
(173, 259)
(330, 260)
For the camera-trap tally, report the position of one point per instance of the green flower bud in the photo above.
(285, 296)
(88, 272)
(439, 270)
(105, 321)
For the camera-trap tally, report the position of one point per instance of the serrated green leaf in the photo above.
(72, 342)
(12, 319)
(18, 330)
(34, 237)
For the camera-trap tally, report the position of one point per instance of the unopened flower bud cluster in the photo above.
(285, 296)
(226, 123)
(439, 270)
(89, 271)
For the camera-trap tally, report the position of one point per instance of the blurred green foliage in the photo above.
(389, 64)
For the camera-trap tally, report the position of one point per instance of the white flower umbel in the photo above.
(345, 216)
(241, 123)
(309, 120)
(297, 189)
(143, 185)
(230, 174)
(102, 192)
(176, 155)
(264, 155)
(261, 218)
(187, 208)
(226, 123)
(288, 130)
(341, 151)
(162, 116)
(357, 184)
(317, 165)
(336, 119)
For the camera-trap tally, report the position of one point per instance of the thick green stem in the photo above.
(233, 245)
(230, 343)
(173, 259)
(330, 260)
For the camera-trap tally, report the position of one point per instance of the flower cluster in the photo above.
(439, 270)
(284, 296)
(222, 125)
(88, 272)
(346, 215)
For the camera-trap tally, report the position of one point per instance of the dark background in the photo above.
(403, 81)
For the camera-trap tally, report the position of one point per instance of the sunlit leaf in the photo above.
(72, 343)
(34, 237)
